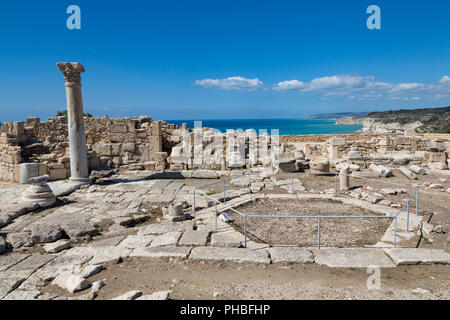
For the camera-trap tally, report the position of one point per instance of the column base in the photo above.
(80, 180)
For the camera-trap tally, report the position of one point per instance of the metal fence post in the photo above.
(417, 201)
(336, 184)
(224, 192)
(318, 233)
(407, 217)
(193, 211)
(215, 216)
(395, 232)
(371, 190)
(245, 231)
(292, 183)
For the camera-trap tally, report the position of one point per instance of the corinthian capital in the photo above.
(71, 71)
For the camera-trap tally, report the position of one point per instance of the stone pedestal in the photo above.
(77, 136)
(354, 153)
(39, 192)
(28, 171)
(174, 212)
(344, 179)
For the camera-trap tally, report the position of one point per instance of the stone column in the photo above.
(344, 179)
(77, 136)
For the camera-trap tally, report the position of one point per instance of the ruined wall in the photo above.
(111, 143)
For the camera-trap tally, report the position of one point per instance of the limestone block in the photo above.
(437, 156)
(103, 149)
(408, 173)
(337, 141)
(417, 169)
(58, 174)
(43, 169)
(27, 171)
(128, 147)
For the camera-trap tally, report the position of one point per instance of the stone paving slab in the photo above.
(162, 252)
(167, 239)
(9, 284)
(231, 239)
(291, 255)
(9, 260)
(194, 238)
(352, 257)
(23, 295)
(161, 228)
(109, 255)
(33, 262)
(107, 242)
(408, 256)
(239, 255)
(133, 242)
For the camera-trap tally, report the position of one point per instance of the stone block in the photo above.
(194, 238)
(43, 169)
(58, 174)
(28, 171)
(407, 256)
(291, 255)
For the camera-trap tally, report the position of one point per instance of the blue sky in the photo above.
(225, 59)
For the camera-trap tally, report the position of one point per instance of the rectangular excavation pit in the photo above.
(334, 232)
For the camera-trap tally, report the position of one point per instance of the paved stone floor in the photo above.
(96, 226)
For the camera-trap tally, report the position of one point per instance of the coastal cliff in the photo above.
(419, 120)
(359, 120)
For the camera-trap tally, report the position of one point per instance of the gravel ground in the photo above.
(303, 232)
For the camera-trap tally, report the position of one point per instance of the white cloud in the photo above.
(355, 87)
(404, 87)
(405, 98)
(440, 96)
(445, 79)
(289, 85)
(336, 82)
(231, 83)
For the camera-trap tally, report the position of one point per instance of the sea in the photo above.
(285, 126)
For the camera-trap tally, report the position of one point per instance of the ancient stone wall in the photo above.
(111, 143)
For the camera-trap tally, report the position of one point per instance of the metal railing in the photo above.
(406, 206)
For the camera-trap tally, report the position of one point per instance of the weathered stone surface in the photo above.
(20, 239)
(91, 270)
(291, 255)
(238, 255)
(4, 219)
(2, 245)
(167, 239)
(161, 228)
(133, 242)
(194, 238)
(95, 288)
(57, 246)
(71, 282)
(22, 295)
(43, 233)
(352, 257)
(131, 295)
(159, 295)
(9, 284)
(227, 239)
(162, 252)
(9, 260)
(109, 254)
(406, 256)
(78, 229)
(33, 262)
(107, 242)
(204, 174)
